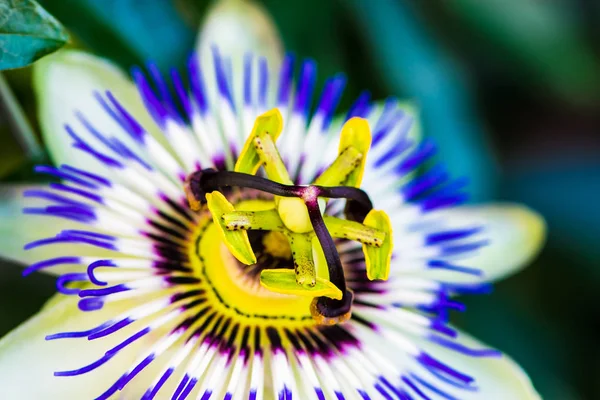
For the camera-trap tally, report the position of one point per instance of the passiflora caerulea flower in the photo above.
(241, 242)
(223, 234)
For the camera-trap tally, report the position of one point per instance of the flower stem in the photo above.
(20, 127)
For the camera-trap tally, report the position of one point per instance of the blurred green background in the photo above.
(510, 89)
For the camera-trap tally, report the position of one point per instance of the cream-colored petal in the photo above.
(65, 83)
(515, 234)
(17, 229)
(238, 27)
(28, 361)
(498, 378)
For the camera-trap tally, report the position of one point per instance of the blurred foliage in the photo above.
(27, 32)
(566, 194)
(416, 67)
(543, 41)
(129, 32)
(510, 89)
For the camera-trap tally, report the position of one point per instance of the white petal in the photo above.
(28, 361)
(515, 234)
(498, 378)
(65, 83)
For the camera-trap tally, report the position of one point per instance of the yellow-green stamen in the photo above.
(378, 258)
(236, 241)
(284, 281)
(297, 217)
(264, 220)
(304, 266)
(338, 171)
(269, 123)
(362, 233)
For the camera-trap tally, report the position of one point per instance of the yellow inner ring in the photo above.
(230, 290)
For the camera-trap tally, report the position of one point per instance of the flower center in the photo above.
(294, 215)
(275, 244)
(234, 287)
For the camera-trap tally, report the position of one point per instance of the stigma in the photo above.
(298, 216)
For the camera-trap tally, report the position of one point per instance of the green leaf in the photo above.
(27, 32)
(128, 32)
